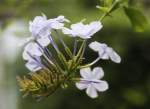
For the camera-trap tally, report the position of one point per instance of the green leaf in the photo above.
(103, 9)
(138, 20)
(123, 1)
(108, 2)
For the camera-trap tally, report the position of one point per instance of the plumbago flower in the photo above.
(91, 81)
(105, 52)
(83, 31)
(41, 27)
(32, 53)
(50, 68)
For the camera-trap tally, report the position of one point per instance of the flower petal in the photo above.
(37, 25)
(33, 65)
(98, 73)
(57, 25)
(86, 73)
(81, 86)
(61, 18)
(78, 27)
(33, 49)
(91, 91)
(113, 55)
(26, 56)
(104, 55)
(44, 41)
(68, 32)
(98, 47)
(95, 27)
(101, 86)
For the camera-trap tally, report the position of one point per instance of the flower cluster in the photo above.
(42, 52)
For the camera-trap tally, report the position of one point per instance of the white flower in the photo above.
(41, 27)
(34, 64)
(105, 52)
(31, 50)
(91, 81)
(32, 53)
(83, 31)
(58, 22)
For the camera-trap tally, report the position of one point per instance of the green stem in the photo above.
(75, 79)
(90, 64)
(109, 10)
(67, 49)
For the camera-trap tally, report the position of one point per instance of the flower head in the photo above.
(105, 52)
(83, 31)
(53, 67)
(91, 81)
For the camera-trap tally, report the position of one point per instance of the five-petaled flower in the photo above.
(91, 81)
(41, 27)
(83, 31)
(105, 52)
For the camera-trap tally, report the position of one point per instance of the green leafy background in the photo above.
(129, 81)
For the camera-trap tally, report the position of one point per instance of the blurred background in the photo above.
(129, 81)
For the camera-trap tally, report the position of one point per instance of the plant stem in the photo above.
(90, 64)
(109, 11)
(75, 47)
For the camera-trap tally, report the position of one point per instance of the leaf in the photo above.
(104, 5)
(138, 20)
(108, 2)
(103, 9)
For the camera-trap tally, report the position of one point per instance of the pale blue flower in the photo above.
(31, 54)
(41, 27)
(91, 81)
(32, 49)
(83, 31)
(105, 52)
(58, 23)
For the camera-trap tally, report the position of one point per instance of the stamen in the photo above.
(84, 48)
(64, 44)
(90, 64)
(75, 47)
(60, 38)
(44, 52)
(53, 43)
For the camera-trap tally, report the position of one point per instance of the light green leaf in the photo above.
(108, 2)
(138, 20)
(103, 9)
